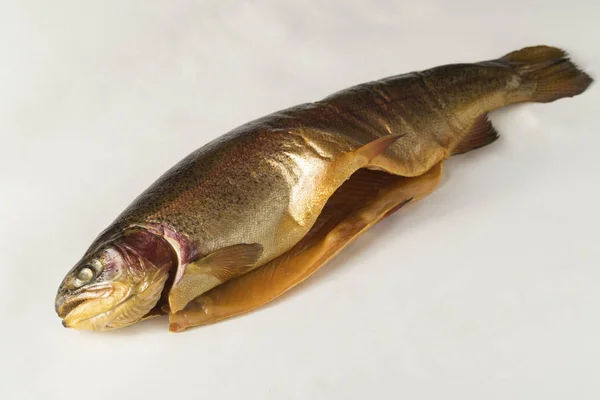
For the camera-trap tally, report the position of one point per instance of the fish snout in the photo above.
(63, 307)
(67, 301)
(64, 304)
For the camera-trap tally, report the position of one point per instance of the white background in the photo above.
(488, 289)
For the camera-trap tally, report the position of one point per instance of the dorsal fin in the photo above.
(481, 134)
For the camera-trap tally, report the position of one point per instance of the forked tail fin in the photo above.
(540, 74)
(547, 74)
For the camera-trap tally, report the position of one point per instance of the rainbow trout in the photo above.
(253, 213)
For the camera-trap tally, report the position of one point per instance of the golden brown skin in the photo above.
(265, 183)
(362, 201)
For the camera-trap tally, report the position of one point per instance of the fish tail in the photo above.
(536, 74)
(545, 74)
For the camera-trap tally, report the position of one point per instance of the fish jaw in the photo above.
(92, 310)
(124, 304)
(66, 302)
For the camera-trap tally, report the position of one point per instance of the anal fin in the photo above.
(481, 134)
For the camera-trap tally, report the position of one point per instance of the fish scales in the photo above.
(251, 195)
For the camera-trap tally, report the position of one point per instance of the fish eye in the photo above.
(85, 274)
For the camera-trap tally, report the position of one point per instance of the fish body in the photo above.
(250, 196)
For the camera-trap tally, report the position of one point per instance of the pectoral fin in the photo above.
(365, 199)
(212, 270)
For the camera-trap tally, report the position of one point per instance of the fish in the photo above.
(255, 212)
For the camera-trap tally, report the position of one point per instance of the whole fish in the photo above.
(246, 217)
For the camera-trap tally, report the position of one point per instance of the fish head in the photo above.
(117, 284)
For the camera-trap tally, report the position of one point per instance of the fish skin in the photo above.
(266, 181)
(362, 201)
(258, 183)
(242, 187)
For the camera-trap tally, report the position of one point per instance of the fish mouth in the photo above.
(66, 303)
(76, 308)
(82, 323)
(66, 307)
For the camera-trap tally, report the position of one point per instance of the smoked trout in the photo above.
(248, 216)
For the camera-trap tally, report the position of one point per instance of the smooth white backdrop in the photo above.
(488, 289)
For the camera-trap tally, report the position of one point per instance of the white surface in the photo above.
(488, 289)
